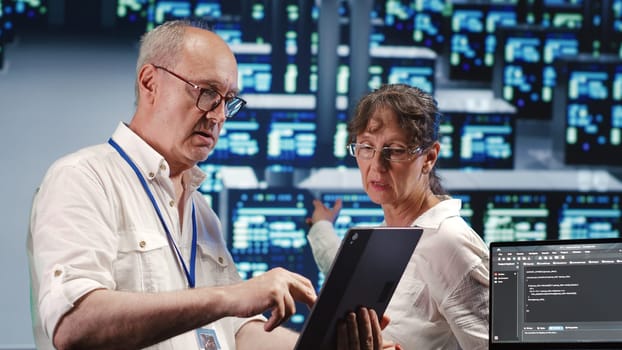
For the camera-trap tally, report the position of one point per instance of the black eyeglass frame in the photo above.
(232, 105)
(385, 152)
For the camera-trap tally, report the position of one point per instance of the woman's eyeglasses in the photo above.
(393, 154)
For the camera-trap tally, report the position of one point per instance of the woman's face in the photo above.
(390, 183)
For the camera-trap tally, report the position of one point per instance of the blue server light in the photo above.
(515, 216)
(267, 229)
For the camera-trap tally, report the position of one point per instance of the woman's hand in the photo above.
(322, 212)
(363, 331)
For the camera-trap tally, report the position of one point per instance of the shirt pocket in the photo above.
(418, 295)
(215, 266)
(143, 262)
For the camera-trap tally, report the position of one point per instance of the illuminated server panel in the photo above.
(292, 134)
(156, 12)
(472, 140)
(340, 140)
(291, 129)
(132, 10)
(273, 129)
(213, 180)
(414, 66)
(408, 23)
(212, 199)
(515, 216)
(144, 15)
(589, 215)
(22, 14)
(614, 33)
(605, 21)
(587, 111)
(357, 210)
(275, 40)
(212, 185)
(428, 24)
(254, 61)
(134, 15)
(266, 229)
(525, 74)
(241, 140)
(292, 138)
(523, 215)
(296, 42)
(170, 10)
(562, 13)
(338, 152)
(469, 211)
(473, 38)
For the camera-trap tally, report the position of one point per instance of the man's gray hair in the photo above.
(162, 45)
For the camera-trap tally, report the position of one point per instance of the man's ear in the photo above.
(147, 86)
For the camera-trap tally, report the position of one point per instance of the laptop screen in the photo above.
(556, 294)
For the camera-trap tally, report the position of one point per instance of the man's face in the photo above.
(188, 134)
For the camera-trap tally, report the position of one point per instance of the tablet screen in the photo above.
(365, 272)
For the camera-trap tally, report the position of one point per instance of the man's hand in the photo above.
(275, 290)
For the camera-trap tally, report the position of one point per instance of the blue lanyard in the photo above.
(193, 253)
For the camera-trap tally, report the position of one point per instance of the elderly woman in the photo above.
(441, 302)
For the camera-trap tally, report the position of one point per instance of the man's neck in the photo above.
(178, 185)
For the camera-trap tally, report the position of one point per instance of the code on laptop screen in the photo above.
(556, 292)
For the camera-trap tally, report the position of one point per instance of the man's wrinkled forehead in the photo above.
(210, 60)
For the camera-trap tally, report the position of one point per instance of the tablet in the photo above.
(368, 266)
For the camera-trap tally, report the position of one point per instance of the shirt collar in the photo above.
(148, 160)
(446, 208)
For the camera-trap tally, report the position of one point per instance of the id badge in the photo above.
(208, 339)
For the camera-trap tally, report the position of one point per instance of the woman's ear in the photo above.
(431, 155)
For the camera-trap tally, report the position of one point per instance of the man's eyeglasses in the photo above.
(393, 154)
(209, 99)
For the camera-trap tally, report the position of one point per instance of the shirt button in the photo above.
(220, 259)
(171, 203)
(57, 273)
(162, 167)
(142, 244)
(151, 175)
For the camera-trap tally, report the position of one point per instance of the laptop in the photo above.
(368, 266)
(563, 294)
